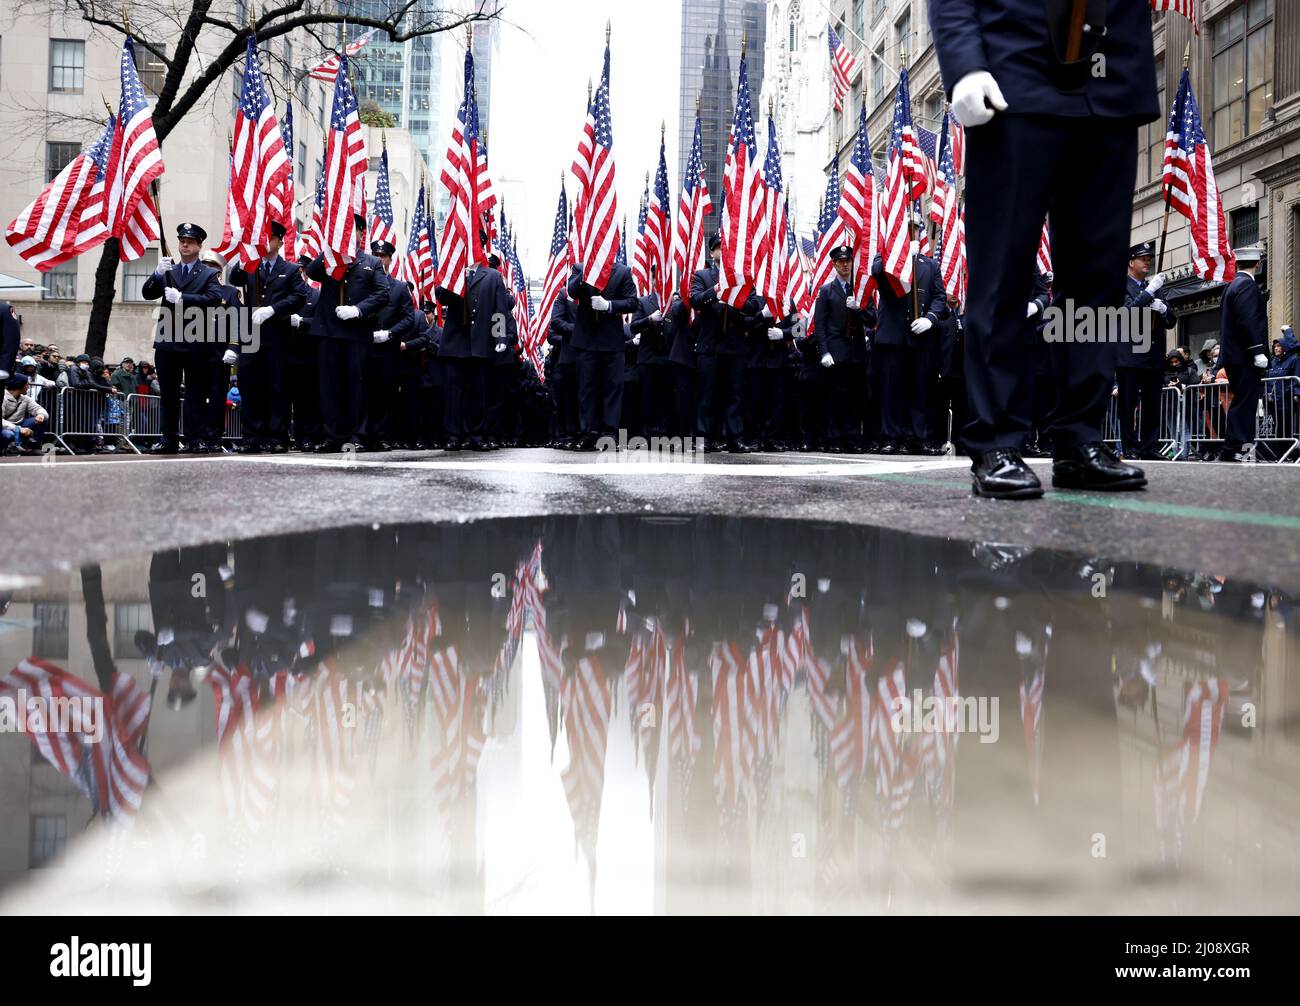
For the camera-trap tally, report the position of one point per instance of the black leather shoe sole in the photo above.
(993, 493)
(1071, 479)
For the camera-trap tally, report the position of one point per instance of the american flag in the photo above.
(773, 280)
(1187, 8)
(417, 263)
(797, 277)
(733, 738)
(1183, 768)
(134, 161)
(66, 219)
(381, 223)
(1189, 187)
(744, 224)
(905, 182)
(458, 705)
(843, 67)
(945, 211)
(281, 200)
(245, 750)
(309, 246)
(464, 181)
(328, 69)
(695, 204)
(345, 172)
(641, 248)
(229, 246)
(259, 165)
(1031, 719)
(1045, 250)
(101, 758)
(928, 143)
(659, 231)
(831, 232)
(597, 201)
(588, 705)
(621, 255)
(523, 309)
(557, 271)
(958, 145)
(860, 213)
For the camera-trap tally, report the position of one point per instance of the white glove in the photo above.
(166, 264)
(972, 97)
(295, 320)
(767, 312)
(851, 303)
(1155, 283)
(775, 334)
(921, 325)
(1159, 306)
(1032, 309)
(828, 360)
(599, 303)
(657, 316)
(381, 337)
(636, 339)
(1261, 361)
(172, 295)
(229, 357)
(501, 347)
(346, 312)
(263, 314)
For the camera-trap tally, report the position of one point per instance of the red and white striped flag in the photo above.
(345, 173)
(557, 271)
(463, 176)
(640, 263)
(281, 200)
(744, 222)
(381, 221)
(905, 182)
(328, 68)
(831, 232)
(843, 67)
(259, 166)
(695, 204)
(774, 276)
(945, 211)
(596, 210)
(861, 214)
(1190, 187)
(588, 705)
(1044, 260)
(134, 161)
(658, 230)
(1187, 8)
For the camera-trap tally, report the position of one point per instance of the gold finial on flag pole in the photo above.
(744, 41)
(126, 20)
(469, 34)
(663, 128)
(1187, 55)
(588, 90)
(697, 104)
(607, 27)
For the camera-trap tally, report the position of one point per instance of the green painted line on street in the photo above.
(1252, 518)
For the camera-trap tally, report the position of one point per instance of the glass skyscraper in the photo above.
(711, 37)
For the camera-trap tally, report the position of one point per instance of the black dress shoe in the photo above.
(250, 448)
(453, 444)
(1095, 466)
(834, 448)
(359, 448)
(934, 450)
(710, 446)
(328, 448)
(1001, 474)
(278, 449)
(889, 447)
(737, 446)
(165, 447)
(1238, 456)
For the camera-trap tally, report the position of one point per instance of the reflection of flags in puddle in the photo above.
(850, 737)
(1031, 716)
(682, 694)
(110, 771)
(458, 707)
(733, 739)
(332, 720)
(939, 747)
(1183, 768)
(646, 677)
(245, 747)
(588, 703)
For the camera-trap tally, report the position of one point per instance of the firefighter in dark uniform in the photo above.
(274, 293)
(1243, 341)
(417, 429)
(225, 331)
(907, 329)
(1141, 373)
(469, 335)
(685, 377)
(502, 387)
(395, 324)
(303, 385)
(11, 334)
(769, 358)
(559, 336)
(651, 333)
(345, 321)
(841, 331)
(599, 340)
(1022, 78)
(185, 284)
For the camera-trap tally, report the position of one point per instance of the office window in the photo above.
(858, 27)
(287, 70)
(1151, 137)
(880, 9)
(60, 283)
(795, 39)
(152, 70)
(58, 155)
(49, 837)
(135, 273)
(878, 75)
(238, 91)
(50, 634)
(302, 164)
(67, 65)
(1243, 70)
(1245, 226)
(903, 36)
(128, 619)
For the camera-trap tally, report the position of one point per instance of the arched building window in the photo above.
(795, 33)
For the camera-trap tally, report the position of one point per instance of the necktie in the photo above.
(185, 273)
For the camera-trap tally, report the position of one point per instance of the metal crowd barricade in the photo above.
(145, 419)
(84, 414)
(1205, 415)
(1277, 426)
(234, 425)
(1172, 434)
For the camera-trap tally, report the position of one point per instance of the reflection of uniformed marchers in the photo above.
(273, 292)
(345, 321)
(1243, 336)
(1021, 79)
(1141, 373)
(184, 284)
(469, 324)
(598, 339)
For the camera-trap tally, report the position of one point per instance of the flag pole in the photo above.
(154, 191)
(911, 221)
(1164, 224)
(1074, 41)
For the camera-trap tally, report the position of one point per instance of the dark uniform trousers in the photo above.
(465, 395)
(1139, 387)
(264, 406)
(686, 393)
(600, 375)
(382, 374)
(502, 411)
(765, 403)
(204, 377)
(722, 386)
(846, 385)
(1245, 382)
(903, 387)
(342, 396)
(303, 385)
(656, 397)
(1021, 168)
(566, 400)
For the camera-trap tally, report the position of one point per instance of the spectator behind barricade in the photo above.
(77, 375)
(50, 363)
(1213, 372)
(1209, 353)
(146, 379)
(123, 378)
(1176, 375)
(22, 420)
(31, 369)
(1285, 363)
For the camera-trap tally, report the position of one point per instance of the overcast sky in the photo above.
(539, 92)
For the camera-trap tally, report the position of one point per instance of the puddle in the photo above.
(633, 714)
